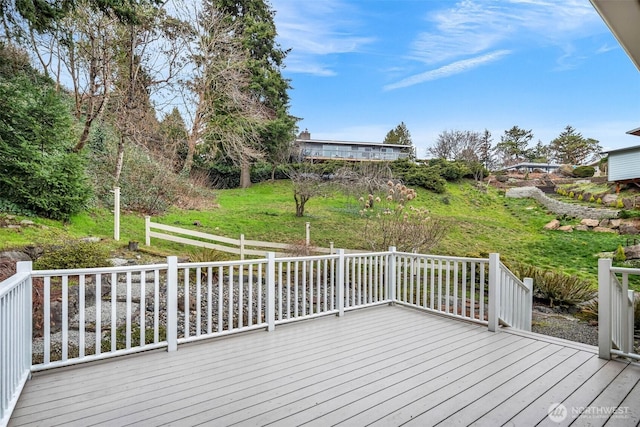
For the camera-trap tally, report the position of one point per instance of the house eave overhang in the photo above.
(623, 18)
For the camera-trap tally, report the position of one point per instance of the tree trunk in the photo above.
(245, 175)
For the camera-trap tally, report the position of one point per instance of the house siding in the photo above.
(624, 165)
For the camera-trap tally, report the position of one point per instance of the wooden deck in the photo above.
(385, 366)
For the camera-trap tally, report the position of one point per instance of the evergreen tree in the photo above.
(255, 23)
(513, 145)
(570, 147)
(400, 136)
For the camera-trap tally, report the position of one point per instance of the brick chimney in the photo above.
(304, 135)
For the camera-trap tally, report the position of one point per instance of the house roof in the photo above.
(622, 18)
(534, 165)
(620, 150)
(325, 141)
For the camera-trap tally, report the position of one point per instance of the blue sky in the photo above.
(360, 67)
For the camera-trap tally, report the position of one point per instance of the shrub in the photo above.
(426, 177)
(592, 199)
(571, 195)
(40, 172)
(584, 171)
(620, 204)
(73, 254)
(619, 255)
(599, 201)
(556, 288)
(580, 197)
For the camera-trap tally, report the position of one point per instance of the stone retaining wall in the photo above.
(561, 208)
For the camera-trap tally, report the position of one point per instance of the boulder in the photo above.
(609, 199)
(603, 230)
(566, 228)
(14, 256)
(628, 229)
(582, 228)
(632, 252)
(604, 223)
(628, 203)
(566, 170)
(615, 223)
(590, 222)
(553, 225)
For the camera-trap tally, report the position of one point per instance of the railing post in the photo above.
(630, 321)
(271, 291)
(340, 282)
(27, 332)
(147, 230)
(604, 308)
(494, 291)
(308, 233)
(528, 304)
(391, 281)
(242, 246)
(172, 303)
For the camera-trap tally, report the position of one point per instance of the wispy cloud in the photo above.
(316, 30)
(471, 27)
(449, 70)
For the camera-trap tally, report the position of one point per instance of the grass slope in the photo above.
(477, 223)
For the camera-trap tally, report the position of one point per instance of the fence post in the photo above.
(308, 233)
(271, 291)
(391, 280)
(147, 230)
(172, 303)
(604, 308)
(340, 282)
(242, 246)
(528, 304)
(116, 213)
(494, 291)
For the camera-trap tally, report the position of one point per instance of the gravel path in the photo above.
(564, 326)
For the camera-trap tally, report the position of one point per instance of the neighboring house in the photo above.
(530, 167)
(321, 150)
(624, 164)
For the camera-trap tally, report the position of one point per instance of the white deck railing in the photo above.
(615, 311)
(15, 338)
(89, 314)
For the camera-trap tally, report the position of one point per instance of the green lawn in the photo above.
(477, 223)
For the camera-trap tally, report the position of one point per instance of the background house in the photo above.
(624, 164)
(322, 150)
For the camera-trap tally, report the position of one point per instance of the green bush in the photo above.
(39, 171)
(556, 288)
(425, 177)
(584, 171)
(619, 255)
(73, 254)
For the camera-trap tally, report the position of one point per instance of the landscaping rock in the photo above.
(566, 228)
(14, 256)
(609, 199)
(582, 228)
(590, 222)
(632, 252)
(566, 170)
(628, 229)
(553, 225)
(615, 223)
(604, 223)
(628, 203)
(603, 230)
(27, 222)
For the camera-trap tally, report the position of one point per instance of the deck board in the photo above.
(381, 365)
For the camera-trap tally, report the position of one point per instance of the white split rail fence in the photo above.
(112, 311)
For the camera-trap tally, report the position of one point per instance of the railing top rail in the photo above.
(222, 263)
(10, 283)
(515, 278)
(307, 258)
(625, 270)
(98, 270)
(443, 257)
